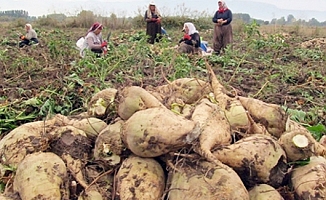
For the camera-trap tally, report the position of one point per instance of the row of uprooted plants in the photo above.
(188, 139)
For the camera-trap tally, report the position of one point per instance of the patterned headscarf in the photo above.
(191, 28)
(95, 26)
(223, 8)
(156, 11)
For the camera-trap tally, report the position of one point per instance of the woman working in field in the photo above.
(190, 42)
(94, 41)
(29, 38)
(223, 30)
(153, 27)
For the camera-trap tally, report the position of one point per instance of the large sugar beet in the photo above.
(140, 178)
(257, 159)
(215, 128)
(234, 111)
(205, 180)
(264, 192)
(133, 99)
(299, 144)
(272, 116)
(156, 131)
(108, 145)
(41, 176)
(186, 90)
(25, 139)
(101, 101)
(90, 125)
(309, 181)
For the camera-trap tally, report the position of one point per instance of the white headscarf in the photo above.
(191, 28)
(29, 25)
(149, 12)
(224, 6)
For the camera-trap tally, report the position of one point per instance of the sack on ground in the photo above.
(80, 43)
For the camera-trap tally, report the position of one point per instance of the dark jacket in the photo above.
(153, 16)
(195, 40)
(226, 15)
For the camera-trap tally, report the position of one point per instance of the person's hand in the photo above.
(220, 22)
(186, 37)
(105, 50)
(158, 21)
(154, 20)
(104, 44)
(22, 37)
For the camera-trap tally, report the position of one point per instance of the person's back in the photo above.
(31, 34)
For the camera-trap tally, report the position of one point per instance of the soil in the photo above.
(17, 82)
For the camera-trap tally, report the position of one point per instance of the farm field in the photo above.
(280, 68)
(37, 82)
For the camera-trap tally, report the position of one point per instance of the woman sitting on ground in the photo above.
(29, 38)
(190, 42)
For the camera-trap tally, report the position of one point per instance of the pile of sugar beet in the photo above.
(189, 139)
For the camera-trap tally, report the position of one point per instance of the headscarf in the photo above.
(95, 26)
(223, 8)
(156, 11)
(29, 25)
(191, 28)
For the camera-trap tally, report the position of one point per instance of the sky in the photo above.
(132, 7)
(318, 5)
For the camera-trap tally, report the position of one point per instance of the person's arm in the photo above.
(28, 35)
(33, 34)
(91, 45)
(229, 17)
(159, 18)
(195, 40)
(214, 19)
(147, 19)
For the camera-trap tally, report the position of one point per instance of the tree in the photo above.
(85, 18)
(290, 19)
(244, 17)
(313, 22)
(281, 21)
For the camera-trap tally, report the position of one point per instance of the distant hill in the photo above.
(257, 10)
(268, 12)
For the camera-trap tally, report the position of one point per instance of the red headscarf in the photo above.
(95, 26)
(223, 7)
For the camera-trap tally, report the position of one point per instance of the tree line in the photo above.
(14, 13)
(10, 15)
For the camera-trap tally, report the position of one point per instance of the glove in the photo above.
(104, 44)
(105, 50)
(22, 37)
(186, 37)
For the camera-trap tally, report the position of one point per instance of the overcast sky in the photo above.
(72, 7)
(319, 5)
